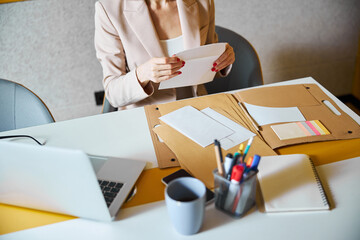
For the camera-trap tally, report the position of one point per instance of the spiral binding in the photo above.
(320, 186)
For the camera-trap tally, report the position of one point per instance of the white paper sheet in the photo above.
(197, 69)
(196, 125)
(269, 115)
(240, 134)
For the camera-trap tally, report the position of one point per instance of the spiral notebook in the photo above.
(290, 183)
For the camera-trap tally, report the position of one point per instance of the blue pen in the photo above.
(247, 148)
(255, 162)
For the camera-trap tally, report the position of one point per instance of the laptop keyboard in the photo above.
(110, 190)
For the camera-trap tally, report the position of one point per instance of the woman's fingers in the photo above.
(167, 77)
(167, 64)
(164, 72)
(165, 60)
(159, 69)
(227, 58)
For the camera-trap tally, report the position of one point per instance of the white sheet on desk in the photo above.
(198, 64)
(196, 125)
(240, 134)
(339, 223)
(268, 115)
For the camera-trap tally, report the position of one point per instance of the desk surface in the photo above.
(146, 221)
(108, 135)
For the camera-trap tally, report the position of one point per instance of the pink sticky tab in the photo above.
(313, 128)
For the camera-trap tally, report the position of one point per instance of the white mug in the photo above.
(185, 200)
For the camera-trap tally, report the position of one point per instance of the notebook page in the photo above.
(289, 183)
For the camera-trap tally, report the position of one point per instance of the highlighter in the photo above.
(234, 187)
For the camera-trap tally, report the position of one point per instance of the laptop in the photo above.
(64, 181)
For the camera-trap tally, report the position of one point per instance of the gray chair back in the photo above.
(107, 107)
(20, 108)
(246, 70)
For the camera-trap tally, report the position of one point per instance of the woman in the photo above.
(135, 42)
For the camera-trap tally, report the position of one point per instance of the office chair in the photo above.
(245, 72)
(20, 107)
(107, 107)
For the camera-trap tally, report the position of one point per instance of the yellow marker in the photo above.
(241, 147)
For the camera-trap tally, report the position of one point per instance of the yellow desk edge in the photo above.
(14, 219)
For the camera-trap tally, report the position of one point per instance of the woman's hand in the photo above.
(227, 58)
(159, 69)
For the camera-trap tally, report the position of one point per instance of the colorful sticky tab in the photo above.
(322, 127)
(300, 129)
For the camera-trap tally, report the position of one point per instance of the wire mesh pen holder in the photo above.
(235, 199)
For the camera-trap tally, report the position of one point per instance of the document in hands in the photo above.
(197, 69)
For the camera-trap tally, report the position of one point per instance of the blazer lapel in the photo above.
(137, 14)
(189, 20)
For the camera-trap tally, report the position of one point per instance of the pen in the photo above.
(249, 162)
(240, 150)
(247, 148)
(236, 177)
(228, 163)
(219, 159)
(255, 162)
(233, 163)
(252, 165)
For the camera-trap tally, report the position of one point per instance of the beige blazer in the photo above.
(126, 38)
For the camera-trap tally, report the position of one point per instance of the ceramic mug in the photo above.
(185, 200)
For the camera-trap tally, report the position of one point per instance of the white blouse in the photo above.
(173, 45)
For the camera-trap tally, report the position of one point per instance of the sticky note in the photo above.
(300, 129)
(288, 131)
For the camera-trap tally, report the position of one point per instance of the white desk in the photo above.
(152, 222)
(123, 134)
(126, 134)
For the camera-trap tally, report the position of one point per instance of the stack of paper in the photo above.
(206, 125)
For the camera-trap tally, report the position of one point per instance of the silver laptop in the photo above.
(64, 181)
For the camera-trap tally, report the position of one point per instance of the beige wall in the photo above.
(298, 38)
(48, 45)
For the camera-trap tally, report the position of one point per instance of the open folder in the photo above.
(313, 104)
(308, 98)
(199, 161)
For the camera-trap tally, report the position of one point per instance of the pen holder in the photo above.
(235, 199)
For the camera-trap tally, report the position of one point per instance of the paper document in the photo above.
(240, 134)
(197, 69)
(196, 125)
(269, 115)
(206, 125)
